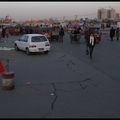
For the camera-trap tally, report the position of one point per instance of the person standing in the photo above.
(117, 33)
(92, 42)
(75, 34)
(7, 32)
(2, 69)
(112, 33)
(86, 36)
(3, 32)
(0, 36)
(61, 34)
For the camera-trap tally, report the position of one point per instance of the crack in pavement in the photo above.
(55, 98)
(84, 83)
(62, 56)
(72, 62)
(69, 63)
(83, 86)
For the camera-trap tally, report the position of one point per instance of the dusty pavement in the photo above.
(65, 83)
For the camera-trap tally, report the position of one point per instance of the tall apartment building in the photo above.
(107, 13)
(102, 13)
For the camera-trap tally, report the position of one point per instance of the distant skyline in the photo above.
(46, 10)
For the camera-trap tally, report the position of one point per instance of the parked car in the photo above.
(32, 43)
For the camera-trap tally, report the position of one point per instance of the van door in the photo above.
(20, 42)
(25, 42)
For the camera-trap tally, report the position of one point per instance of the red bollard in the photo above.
(7, 80)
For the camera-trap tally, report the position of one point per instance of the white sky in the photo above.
(42, 10)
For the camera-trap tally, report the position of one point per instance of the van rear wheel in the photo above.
(27, 51)
(16, 47)
(46, 52)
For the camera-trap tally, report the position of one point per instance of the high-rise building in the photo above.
(102, 13)
(117, 16)
(107, 13)
(111, 13)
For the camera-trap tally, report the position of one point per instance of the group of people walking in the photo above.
(4, 34)
(91, 39)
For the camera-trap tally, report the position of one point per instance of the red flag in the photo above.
(2, 69)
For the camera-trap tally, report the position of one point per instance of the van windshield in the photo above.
(38, 39)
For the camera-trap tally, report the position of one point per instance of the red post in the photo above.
(2, 69)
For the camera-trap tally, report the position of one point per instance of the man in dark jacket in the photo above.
(3, 32)
(112, 33)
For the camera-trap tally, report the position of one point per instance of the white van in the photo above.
(32, 43)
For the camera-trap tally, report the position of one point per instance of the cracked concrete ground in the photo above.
(65, 83)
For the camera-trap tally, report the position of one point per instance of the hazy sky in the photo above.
(41, 10)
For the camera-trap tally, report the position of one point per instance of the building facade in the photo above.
(107, 13)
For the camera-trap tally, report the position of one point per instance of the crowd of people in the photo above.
(75, 34)
(114, 32)
(90, 38)
(11, 31)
